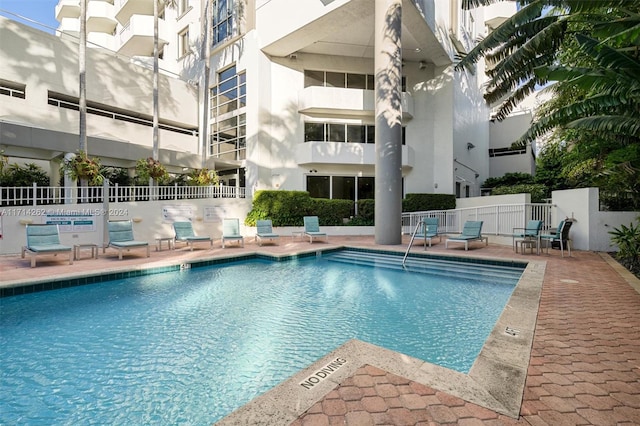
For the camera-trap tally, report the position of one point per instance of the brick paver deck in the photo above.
(584, 366)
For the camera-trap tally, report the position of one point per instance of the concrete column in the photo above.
(388, 111)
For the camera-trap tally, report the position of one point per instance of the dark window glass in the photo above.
(344, 188)
(356, 81)
(335, 79)
(370, 82)
(355, 134)
(371, 134)
(314, 132)
(457, 189)
(313, 78)
(366, 188)
(336, 133)
(318, 186)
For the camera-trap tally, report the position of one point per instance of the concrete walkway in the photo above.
(585, 357)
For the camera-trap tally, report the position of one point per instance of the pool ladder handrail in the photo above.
(413, 237)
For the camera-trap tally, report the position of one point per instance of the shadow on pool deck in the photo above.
(583, 368)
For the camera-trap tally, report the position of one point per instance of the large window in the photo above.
(224, 20)
(228, 127)
(9, 88)
(343, 80)
(341, 132)
(341, 187)
(183, 42)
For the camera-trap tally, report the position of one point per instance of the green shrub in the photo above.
(284, 208)
(17, 175)
(538, 191)
(366, 209)
(330, 212)
(425, 202)
(628, 241)
(509, 179)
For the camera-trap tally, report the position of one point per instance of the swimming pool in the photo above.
(202, 342)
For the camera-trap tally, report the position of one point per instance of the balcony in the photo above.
(67, 9)
(136, 38)
(105, 40)
(101, 17)
(126, 9)
(336, 102)
(345, 153)
(69, 26)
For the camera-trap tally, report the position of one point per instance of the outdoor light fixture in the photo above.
(470, 146)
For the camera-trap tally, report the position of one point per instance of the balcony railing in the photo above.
(52, 195)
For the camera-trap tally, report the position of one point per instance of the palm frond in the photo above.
(617, 124)
(501, 34)
(608, 57)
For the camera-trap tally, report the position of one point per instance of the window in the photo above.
(183, 42)
(228, 129)
(340, 132)
(342, 187)
(69, 102)
(344, 80)
(15, 90)
(183, 7)
(224, 21)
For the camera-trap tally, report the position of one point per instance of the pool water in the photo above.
(189, 347)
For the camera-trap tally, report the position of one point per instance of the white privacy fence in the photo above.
(498, 219)
(46, 195)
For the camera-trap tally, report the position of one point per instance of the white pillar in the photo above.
(388, 111)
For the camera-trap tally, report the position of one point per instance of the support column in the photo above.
(388, 111)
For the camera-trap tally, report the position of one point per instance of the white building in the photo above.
(291, 95)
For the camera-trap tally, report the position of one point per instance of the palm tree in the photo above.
(82, 63)
(527, 52)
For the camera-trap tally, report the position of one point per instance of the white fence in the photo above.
(46, 195)
(498, 219)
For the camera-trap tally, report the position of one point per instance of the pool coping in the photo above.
(495, 381)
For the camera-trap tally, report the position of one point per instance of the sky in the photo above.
(42, 11)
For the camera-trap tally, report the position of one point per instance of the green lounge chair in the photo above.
(561, 236)
(44, 240)
(429, 230)
(184, 234)
(312, 229)
(264, 231)
(121, 237)
(472, 231)
(529, 232)
(231, 231)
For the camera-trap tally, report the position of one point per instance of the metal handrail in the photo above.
(413, 237)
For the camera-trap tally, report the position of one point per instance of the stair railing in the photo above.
(413, 237)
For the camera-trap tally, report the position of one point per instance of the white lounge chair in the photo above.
(264, 231)
(231, 231)
(312, 229)
(121, 237)
(44, 240)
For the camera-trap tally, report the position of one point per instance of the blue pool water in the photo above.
(189, 347)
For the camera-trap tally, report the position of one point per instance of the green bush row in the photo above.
(287, 208)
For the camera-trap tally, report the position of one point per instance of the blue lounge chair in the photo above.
(184, 234)
(529, 232)
(429, 230)
(121, 237)
(264, 231)
(44, 240)
(231, 231)
(312, 229)
(561, 236)
(472, 231)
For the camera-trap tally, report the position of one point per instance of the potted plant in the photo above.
(81, 167)
(203, 177)
(148, 168)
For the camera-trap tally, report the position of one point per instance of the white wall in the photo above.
(147, 216)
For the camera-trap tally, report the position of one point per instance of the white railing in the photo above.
(498, 219)
(45, 195)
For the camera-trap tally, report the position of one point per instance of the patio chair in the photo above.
(264, 231)
(472, 231)
(312, 229)
(561, 236)
(530, 232)
(44, 240)
(121, 237)
(429, 230)
(231, 231)
(184, 234)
